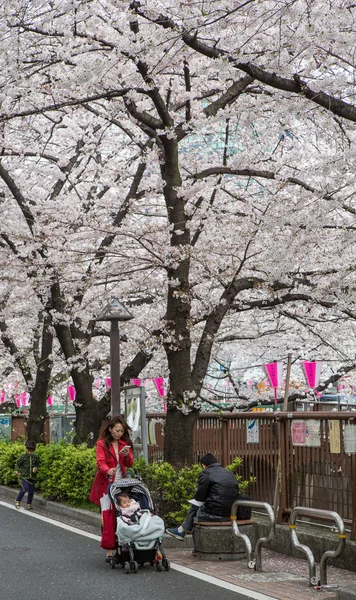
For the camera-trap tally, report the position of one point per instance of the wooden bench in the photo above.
(215, 540)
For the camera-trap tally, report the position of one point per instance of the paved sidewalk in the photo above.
(283, 577)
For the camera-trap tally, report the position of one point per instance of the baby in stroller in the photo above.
(139, 530)
(130, 509)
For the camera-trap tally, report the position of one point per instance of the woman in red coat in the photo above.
(114, 452)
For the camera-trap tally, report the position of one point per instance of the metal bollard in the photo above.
(254, 560)
(319, 514)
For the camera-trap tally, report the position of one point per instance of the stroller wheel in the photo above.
(159, 565)
(166, 564)
(127, 567)
(135, 567)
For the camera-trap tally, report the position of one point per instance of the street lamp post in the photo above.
(115, 312)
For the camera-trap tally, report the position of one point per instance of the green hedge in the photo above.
(66, 474)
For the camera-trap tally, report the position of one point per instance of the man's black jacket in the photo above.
(218, 489)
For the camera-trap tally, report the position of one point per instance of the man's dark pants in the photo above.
(193, 513)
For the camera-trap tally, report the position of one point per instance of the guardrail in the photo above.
(254, 559)
(319, 514)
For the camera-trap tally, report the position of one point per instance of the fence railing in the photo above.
(321, 476)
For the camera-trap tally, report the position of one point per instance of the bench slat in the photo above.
(222, 523)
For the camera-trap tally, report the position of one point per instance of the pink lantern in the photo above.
(108, 383)
(136, 382)
(71, 392)
(24, 398)
(159, 383)
(18, 400)
(274, 376)
(50, 401)
(312, 371)
(2, 396)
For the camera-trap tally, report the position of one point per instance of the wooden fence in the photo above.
(317, 477)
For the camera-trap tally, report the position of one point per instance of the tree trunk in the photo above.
(38, 397)
(89, 412)
(178, 437)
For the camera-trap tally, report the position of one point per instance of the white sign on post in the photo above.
(253, 431)
(312, 433)
(350, 439)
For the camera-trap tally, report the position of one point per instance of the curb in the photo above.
(55, 508)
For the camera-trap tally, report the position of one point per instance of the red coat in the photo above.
(106, 459)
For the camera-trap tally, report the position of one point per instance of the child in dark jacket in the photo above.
(27, 467)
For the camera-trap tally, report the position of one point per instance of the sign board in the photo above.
(5, 428)
(350, 439)
(151, 430)
(135, 416)
(334, 436)
(298, 433)
(312, 433)
(252, 431)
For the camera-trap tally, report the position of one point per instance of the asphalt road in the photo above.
(41, 561)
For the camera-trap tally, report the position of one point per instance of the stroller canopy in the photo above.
(133, 487)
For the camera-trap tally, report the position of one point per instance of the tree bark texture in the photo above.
(38, 397)
(178, 437)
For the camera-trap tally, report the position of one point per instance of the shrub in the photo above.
(67, 472)
(9, 453)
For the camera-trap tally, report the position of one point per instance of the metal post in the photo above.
(281, 449)
(320, 514)
(115, 368)
(353, 479)
(143, 423)
(253, 563)
(286, 389)
(283, 472)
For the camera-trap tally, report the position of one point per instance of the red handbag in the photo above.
(108, 538)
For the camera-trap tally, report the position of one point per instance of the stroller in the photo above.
(142, 541)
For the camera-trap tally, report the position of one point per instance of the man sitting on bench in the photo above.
(216, 492)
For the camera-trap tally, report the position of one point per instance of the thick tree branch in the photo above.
(231, 94)
(19, 197)
(15, 353)
(294, 86)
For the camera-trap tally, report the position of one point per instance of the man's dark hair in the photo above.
(208, 459)
(30, 445)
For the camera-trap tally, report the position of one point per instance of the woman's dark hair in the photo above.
(106, 435)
